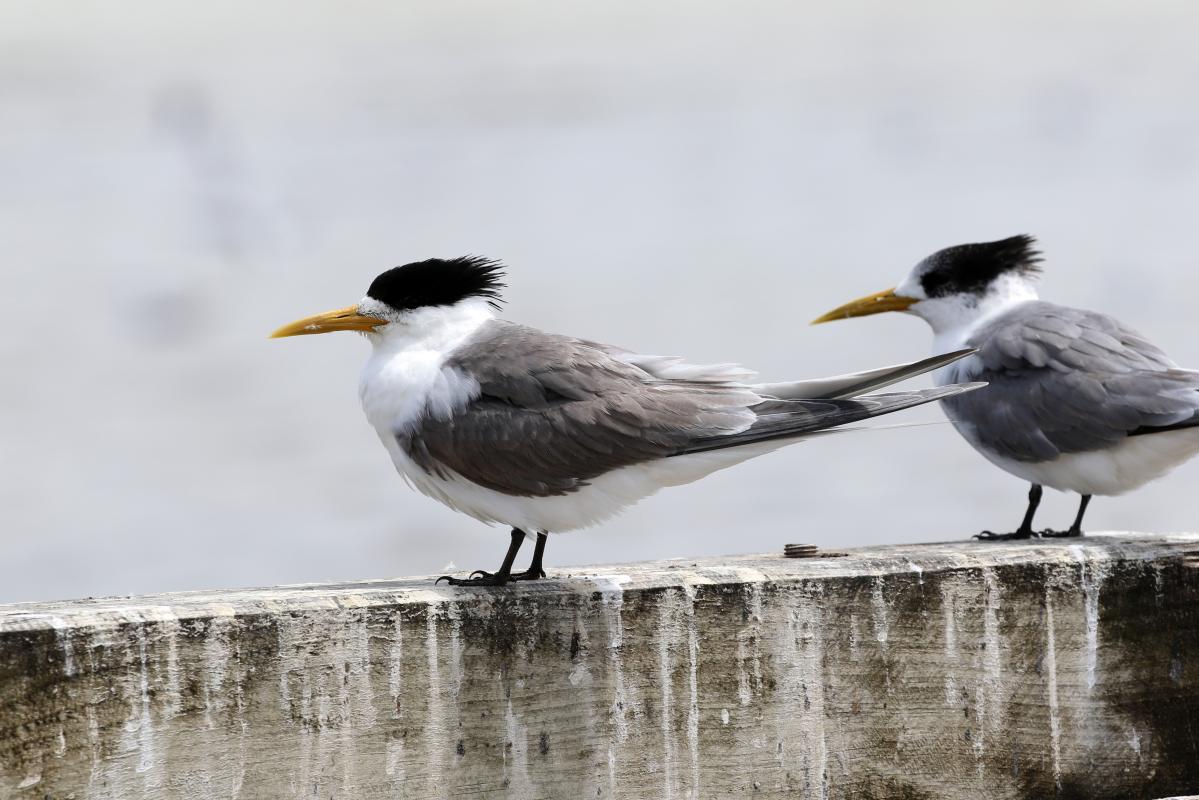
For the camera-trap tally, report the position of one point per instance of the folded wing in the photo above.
(1064, 380)
(552, 413)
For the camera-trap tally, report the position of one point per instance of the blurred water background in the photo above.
(701, 179)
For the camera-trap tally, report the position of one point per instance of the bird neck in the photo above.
(955, 318)
(405, 377)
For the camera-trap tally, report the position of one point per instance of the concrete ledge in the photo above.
(1046, 669)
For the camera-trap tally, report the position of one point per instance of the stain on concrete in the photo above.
(959, 670)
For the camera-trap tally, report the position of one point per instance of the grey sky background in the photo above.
(695, 179)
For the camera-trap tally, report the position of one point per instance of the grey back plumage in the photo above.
(1065, 380)
(552, 412)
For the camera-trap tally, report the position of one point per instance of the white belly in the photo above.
(1128, 465)
(602, 498)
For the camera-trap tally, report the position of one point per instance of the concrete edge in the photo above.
(615, 579)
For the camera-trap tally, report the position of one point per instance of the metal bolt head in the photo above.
(800, 550)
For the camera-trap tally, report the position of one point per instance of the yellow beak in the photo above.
(875, 303)
(341, 319)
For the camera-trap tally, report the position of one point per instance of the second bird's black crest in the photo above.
(970, 268)
(439, 282)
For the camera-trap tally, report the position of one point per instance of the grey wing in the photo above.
(1064, 380)
(551, 413)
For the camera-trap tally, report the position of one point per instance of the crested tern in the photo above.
(541, 432)
(1077, 400)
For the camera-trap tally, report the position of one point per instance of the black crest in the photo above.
(439, 282)
(970, 268)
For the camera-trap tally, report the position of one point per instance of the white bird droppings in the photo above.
(1093, 573)
(1055, 722)
(881, 622)
(395, 690)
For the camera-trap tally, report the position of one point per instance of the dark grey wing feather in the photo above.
(786, 419)
(857, 383)
(552, 413)
(1064, 380)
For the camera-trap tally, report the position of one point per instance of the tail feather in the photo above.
(789, 419)
(856, 383)
(1145, 430)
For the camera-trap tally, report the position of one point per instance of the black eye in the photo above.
(935, 283)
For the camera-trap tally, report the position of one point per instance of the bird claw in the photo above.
(528, 575)
(483, 578)
(990, 536)
(1049, 533)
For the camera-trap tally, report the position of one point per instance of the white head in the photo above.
(959, 285)
(416, 299)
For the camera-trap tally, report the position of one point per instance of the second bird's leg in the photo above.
(1076, 528)
(1025, 530)
(499, 577)
(535, 569)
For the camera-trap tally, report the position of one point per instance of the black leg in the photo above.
(535, 569)
(499, 577)
(1076, 528)
(1025, 530)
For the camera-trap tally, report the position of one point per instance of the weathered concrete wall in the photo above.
(1047, 669)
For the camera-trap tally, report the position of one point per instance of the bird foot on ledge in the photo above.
(478, 578)
(990, 536)
(1052, 534)
(483, 578)
(529, 575)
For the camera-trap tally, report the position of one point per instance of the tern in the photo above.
(546, 433)
(1077, 400)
